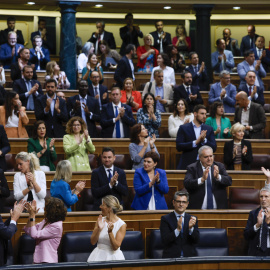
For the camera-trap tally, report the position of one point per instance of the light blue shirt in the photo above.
(160, 92)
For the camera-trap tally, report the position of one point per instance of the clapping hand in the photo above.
(100, 222)
(17, 210)
(266, 173)
(86, 109)
(86, 134)
(244, 150)
(205, 174)
(114, 179)
(192, 222)
(259, 219)
(152, 140)
(226, 131)
(80, 186)
(31, 208)
(217, 131)
(122, 112)
(216, 172)
(110, 227)
(52, 143)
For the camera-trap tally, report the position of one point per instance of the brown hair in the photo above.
(129, 79)
(54, 211)
(134, 133)
(153, 155)
(70, 122)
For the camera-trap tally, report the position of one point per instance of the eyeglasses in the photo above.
(181, 202)
(76, 125)
(95, 77)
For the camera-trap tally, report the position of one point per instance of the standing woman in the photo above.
(109, 232)
(30, 183)
(180, 116)
(130, 96)
(147, 55)
(42, 146)
(13, 116)
(177, 60)
(181, 41)
(48, 232)
(53, 72)
(238, 152)
(87, 48)
(149, 116)
(77, 143)
(92, 65)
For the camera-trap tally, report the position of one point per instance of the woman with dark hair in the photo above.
(92, 65)
(181, 41)
(163, 62)
(218, 121)
(149, 116)
(130, 96)
(77, 143)
(109, 58)
(140, 144)
(177, 60)
(87, 48)
(180, 116)
(13, 116)
(150, 185)
(48, 232)
(42, 146)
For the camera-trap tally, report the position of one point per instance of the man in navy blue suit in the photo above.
(86, 107)
(199, 73)
(116, 117)
(28, 89)
(108, 179)
(192, 136)
(248, 41)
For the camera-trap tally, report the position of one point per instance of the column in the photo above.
(203, 35)
(68, 40)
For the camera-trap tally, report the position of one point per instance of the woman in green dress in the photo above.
(77, 143)
(42, 146)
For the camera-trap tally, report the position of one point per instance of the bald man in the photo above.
(251, 115)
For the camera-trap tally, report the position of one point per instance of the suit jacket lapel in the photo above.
(103, 174)
(192, 131)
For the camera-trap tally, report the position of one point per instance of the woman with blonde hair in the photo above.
(60, 187)
(30, 183)
(109, 232)
(53, 72)
(238, 152)
(77, 143)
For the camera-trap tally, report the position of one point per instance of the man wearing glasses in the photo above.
(179, 230)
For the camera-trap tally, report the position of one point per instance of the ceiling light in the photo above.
(167, 7)
(98, 5)
(31, 3)
(236, 8)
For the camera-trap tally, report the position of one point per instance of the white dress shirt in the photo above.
(120, 121)
(168, 75)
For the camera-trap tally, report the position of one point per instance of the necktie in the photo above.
(95, 90)
(249, 92)
(110, 175)
(38, 57)
(117, 124)
(30, 103)
(188, 92)
(259, 53)
(209, 193)
(195, 69)
(264, 235)
(251, 43)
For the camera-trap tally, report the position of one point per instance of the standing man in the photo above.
(86, 107)
(248, 41)
(231, 43)
(116, 117)
(161, 38)
(206, 182)
(108, 179)
(192, 136)
(52, 110)
(188, 92)
(101, 34)
(129, 34)
(222, 59)
(179, 230)
(257, 229)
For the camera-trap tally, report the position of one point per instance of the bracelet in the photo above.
(87, 141)
(51, 149)
(152, 147)
(32, 219)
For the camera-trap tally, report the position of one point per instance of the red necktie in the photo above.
(249, 93)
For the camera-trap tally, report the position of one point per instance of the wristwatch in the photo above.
(32, 219)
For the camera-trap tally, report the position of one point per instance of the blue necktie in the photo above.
(110, 175)
(188, 92)
(30, 103)
(117, 124)
(209, 193)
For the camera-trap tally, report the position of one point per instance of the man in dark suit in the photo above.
(28, 89)
(97, 90)
(161, 39)
(192, 136)
(4, 190)
(231, 43)
(129, 34)
(206, 182)
(4, 148)
(199, 73)
(108, 179)
(116, 117)
(101, 34)
(253, 119)
(11, 28)
(86, 107)
(179, 230)
(248, 41)
(257, 228)
(188, 92)
(125, 67)
(8, 229)
(52, 110)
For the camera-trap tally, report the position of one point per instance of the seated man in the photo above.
(9, 51)
(222, 59)
(257, 229)
(39, 56)
(255, 93)
(108, 179)
(162, 91)
(52, 110)
(251, 115)
(206, 182)
(179, 230)
(231, 43)
(188, 92)
(116, 117)
(86, 107)
(28, 89)
(223, 91)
